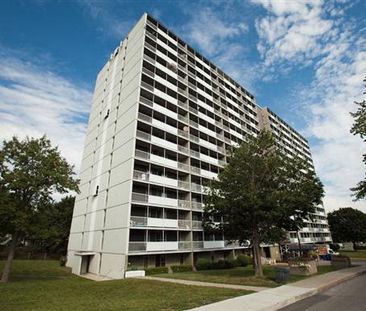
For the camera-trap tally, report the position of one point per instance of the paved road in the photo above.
(347, 296)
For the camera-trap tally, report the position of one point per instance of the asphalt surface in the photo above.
(347, 296)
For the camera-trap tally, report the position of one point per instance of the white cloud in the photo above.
(315, 32)
(35, 101)
(295, 30)
(108, 21)
(220, 34)
(210, 31)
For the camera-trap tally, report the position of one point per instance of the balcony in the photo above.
(196, 224)
(184, 224)
(214, 244)
(162, 200)
(197, 244)
(184, 245)
(161, 246)
(162, 222)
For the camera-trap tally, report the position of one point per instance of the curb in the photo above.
(314, 291)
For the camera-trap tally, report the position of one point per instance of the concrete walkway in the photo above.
(208, 284)
(279, 297)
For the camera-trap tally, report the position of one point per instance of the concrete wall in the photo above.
(101, 217)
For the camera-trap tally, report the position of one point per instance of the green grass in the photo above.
(355, 254)
(240, 276)
(44, 285)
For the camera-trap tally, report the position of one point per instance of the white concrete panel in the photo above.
(161, 246)
(209, 159)
(80, 207)
(163, 180)
(121, 173)
(160, 222)
(164, 161)
(164, 143)
(165, 111)
(126, 119)
(117, 217)
(208, 174)
(123, 153)
(85, 176)
(206, 130)
(162, 201)
(113, 265)
(75, 241)
(119, 194)
(77, 224)
(94, 220)
(87, 162)
(165, 127)
(115, 241)
(84, 191)
(106, 163)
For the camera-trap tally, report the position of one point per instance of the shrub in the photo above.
(203, 264)
(63, 260)
(235, 262)
(157, 270)
(222, 264)
(182, 268)
(244, 260)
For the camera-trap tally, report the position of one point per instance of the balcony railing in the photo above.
(136, 246)
(138, 221)
(197, 244)
(139, 197)
(184, 245)
(184, 224)
(184, 203)
(196, 224)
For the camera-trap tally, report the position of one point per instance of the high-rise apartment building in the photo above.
(161, 121)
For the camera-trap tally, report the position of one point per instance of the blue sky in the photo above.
(304, 59)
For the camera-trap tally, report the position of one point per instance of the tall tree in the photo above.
(53, 228)
(348, 225)
(260, 191)
(31, 171)
(359, 128)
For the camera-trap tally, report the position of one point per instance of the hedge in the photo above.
(157, 270)
(181, 268)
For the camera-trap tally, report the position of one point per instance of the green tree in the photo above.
(347, 225)
(53, 229)
(261, 191)
(359, 128)
(31, 171)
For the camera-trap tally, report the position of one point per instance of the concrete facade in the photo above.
(161, 121)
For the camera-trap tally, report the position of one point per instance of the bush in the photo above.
(222, 264)
(157, 270)
(63, 260)
(181, 268)
(244, 260)
(235, 262)
(203, 264)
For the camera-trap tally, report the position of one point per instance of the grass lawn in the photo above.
(44, 285)
(240, 276)
(358, 254)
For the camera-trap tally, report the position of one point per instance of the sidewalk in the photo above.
(207, 284)
(279, 297)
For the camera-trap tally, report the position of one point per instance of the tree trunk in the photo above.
(257, 255)
(6, 271)
(354, 246)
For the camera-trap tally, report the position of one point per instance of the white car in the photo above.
(332, 252)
